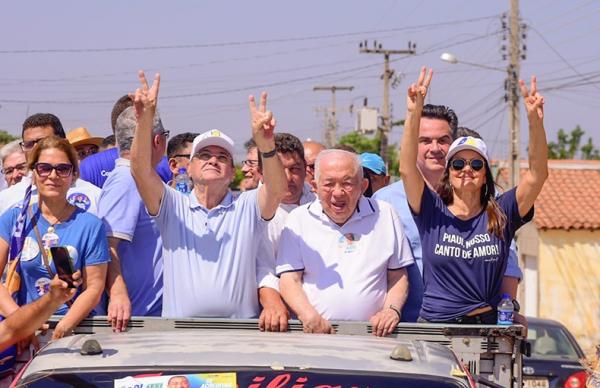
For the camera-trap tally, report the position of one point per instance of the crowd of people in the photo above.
(314, 234)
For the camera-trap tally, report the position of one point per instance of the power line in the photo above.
(243, 88)
(237, 43)
(559, 54)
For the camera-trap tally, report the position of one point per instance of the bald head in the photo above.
(311, 151)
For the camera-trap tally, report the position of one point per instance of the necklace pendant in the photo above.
(50, 239)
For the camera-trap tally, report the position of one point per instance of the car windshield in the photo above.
(246, 378)
(550, 342)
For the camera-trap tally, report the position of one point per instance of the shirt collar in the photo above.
(225, 203)
(121, 162)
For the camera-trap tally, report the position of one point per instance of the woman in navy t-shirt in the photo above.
(465, 229)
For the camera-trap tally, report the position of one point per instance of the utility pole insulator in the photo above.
(330, 135)
(386, 120)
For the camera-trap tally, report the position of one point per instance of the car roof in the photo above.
(242, 348)
(544, 322)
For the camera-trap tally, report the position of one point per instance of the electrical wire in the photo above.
(239, 43)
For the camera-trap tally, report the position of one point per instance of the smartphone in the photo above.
(62, 262)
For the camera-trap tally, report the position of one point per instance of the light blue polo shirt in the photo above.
(140, 251)
(396, 196)
(210, 255)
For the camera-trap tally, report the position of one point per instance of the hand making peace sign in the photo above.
(263, 124)
(417, 92)
(145, 98)
(534, 101)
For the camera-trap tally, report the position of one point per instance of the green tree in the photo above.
(362, 143)
(6, 137)
(568, 146)
(239, 175)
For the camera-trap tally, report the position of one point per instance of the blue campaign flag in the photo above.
(17, 240)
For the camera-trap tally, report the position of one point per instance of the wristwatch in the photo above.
(269, 154)
(516, 305)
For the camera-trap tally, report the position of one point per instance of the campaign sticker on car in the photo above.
(204, 380)
(535, 383)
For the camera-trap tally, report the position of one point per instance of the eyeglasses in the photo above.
(206, 156)
(44, 170)
(165, 134)
(19, 167)
(250, 162)
(187, 156)
(28, 145)
(83, 152)
(459, 163)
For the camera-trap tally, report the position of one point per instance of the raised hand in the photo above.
(417, 92)
(263, 124)
(145, 98)
(534, 101)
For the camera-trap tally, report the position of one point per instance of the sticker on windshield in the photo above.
(200, 380)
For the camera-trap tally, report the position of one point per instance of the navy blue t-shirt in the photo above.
(463, 264)
(95, 168)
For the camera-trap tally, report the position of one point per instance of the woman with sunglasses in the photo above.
(53, 221)
(465, 229)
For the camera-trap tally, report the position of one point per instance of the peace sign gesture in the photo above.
(534, 102)
(417, 92)
(263, 124)
(146, 98)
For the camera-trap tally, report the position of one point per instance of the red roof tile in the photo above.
(570, 198)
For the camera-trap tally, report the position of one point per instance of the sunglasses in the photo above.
(84, 152)
(459, 163)
(44, 170)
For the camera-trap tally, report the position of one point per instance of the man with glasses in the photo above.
(36, 128)
(179, 152)
(311, 151)
(84, 143)
(13, 162)
(135, 273)
(210, 240)
(250, 168)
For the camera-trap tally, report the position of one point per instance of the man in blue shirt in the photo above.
(133, 237)
(437, 130)
(96, 168)
(210, 240)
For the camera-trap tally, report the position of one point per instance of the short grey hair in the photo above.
(10, 148)
(125, 128)
(335, 152)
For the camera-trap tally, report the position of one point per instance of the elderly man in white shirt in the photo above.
(343, 256)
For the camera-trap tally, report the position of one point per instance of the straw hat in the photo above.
(81, 136)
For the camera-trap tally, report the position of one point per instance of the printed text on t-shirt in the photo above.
(455, 246)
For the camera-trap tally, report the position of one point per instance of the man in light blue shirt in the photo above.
(210, 239)
(437, 130)
(132, 234)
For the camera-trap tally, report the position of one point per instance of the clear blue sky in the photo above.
(231, 49)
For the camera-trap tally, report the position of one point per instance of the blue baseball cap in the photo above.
(373, 162)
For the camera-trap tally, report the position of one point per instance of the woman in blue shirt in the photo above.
(58, 223)
(465, 230)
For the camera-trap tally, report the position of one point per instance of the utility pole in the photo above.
(513, 93)
(331, 127)
(386, 126)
